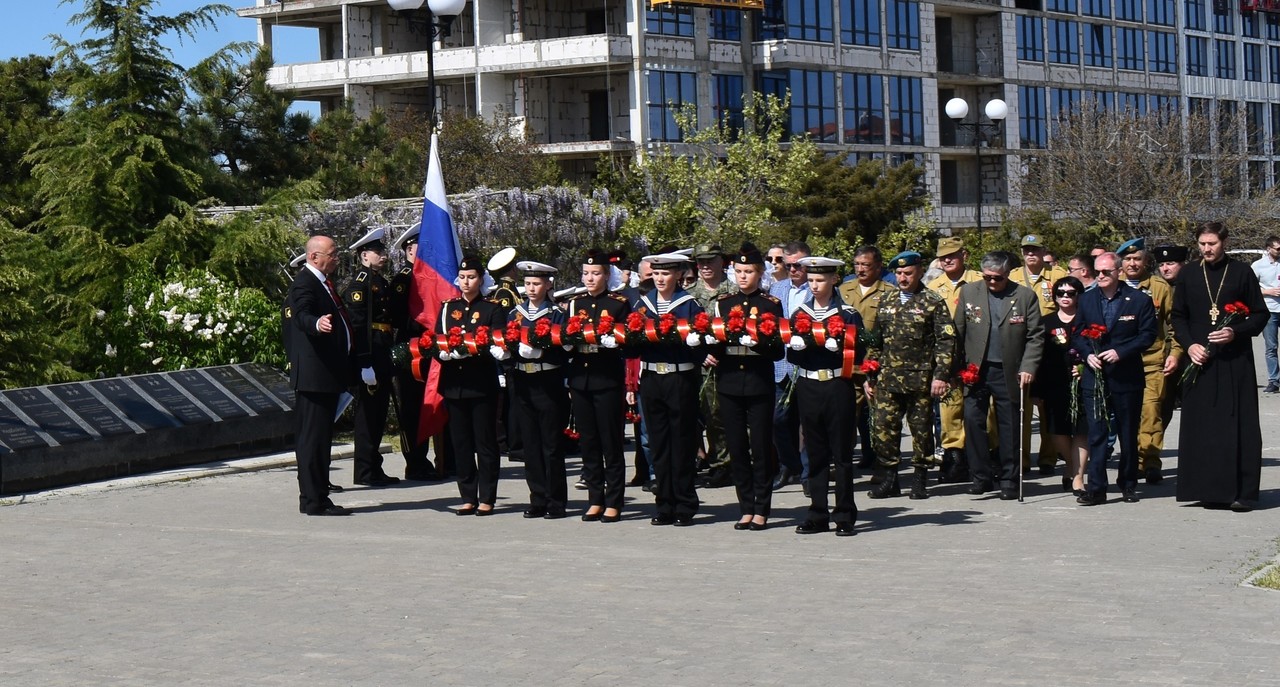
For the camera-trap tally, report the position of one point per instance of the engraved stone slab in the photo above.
(162, 389)
(232, 380)
(135, 407)
(208, 393)
(78, 399)
(51, 419)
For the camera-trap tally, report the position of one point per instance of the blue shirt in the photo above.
(792, 297)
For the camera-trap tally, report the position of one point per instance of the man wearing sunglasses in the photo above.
(999, 330)
(1159, 361)
(1038, 276)
(792, 291)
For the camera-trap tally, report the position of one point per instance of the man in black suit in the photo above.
(1127, 319)
(320, 370)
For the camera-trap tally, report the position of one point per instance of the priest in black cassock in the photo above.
(1224, 466)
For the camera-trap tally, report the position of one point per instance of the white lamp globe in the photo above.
(446, 8)
(997, 110)
(957, 108)
(405, 5)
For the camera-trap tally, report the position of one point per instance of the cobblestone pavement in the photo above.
(219, 581)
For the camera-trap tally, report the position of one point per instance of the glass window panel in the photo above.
(1129, 10)
(1097, 44)
(1162, 55)
(1064, 6)
(903, 25)
(670, 21)
(860, 22)
(1031, 117)
(1063, 42)
(1130, 51)
(1252, 62)
(1096, 8)
(726, 25)
(1194, 14)
(1224, 59)
(1160, 12)
(1197, 56)
(906, 110)
(1030, 38)
(728, 100)
(863, 108)
(668, 92)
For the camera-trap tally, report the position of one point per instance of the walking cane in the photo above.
(1022, 408)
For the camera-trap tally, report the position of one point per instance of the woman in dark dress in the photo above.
(1224, 466)
(1054, 382)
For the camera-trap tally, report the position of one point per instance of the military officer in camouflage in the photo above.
(1160, 359)
(711, 285)
(368, 299)
(864, 293)
(914, 341)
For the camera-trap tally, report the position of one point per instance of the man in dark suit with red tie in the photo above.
(320, 370)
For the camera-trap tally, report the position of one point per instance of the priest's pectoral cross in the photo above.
(1213, 316)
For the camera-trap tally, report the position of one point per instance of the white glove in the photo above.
(445, 355)
(832, 345)
(608, 341)
(693, 339)
(529, 352)
(747, 340)
(368, 377)
(498, 352)
(502, 381)
(710, 339)
(797, 343)
(567, 347)
(457, 354)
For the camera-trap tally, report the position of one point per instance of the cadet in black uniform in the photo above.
(597, 392)
(539, 400)
(826, 398)
(502, 267)
(368, 298)
(745, 390)
(469, 385)
(409, 391)
(669, 381)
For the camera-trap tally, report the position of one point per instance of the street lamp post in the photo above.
(957, 109)
(446, 10)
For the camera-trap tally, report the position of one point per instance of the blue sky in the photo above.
(28, 23)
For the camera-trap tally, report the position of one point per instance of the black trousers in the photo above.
(671, 415)
(541, 404)
(1127, 407)
(748, 434)
(598, 416)
(314, 412)
(409, 394)
(370, 421)
(828, 434)
(977, 449)
(473, 429)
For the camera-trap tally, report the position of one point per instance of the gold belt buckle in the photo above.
(662, 368)
(824, 375)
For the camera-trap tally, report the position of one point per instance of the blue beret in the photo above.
(906, 258)
(1131, 246)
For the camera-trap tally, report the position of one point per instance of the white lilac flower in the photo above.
(100, 315)
(189, 321)
(205, 334)
(238, 328)
(157, 361)
(220, 328)
(130, 311)
(111, 351)
(208, 320)
(147, 344)
(193, 293)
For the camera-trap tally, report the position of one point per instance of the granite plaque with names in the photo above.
(49, 417)
(159, 387)
(16, 434)
(232, 380)
(274, 380)
(90, 409)
(208, 393)
(132, 404)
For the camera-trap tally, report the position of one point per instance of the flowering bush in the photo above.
(190, 319)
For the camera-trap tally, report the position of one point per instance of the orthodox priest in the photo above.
(1223, 467)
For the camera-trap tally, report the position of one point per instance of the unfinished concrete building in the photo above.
(868, 78)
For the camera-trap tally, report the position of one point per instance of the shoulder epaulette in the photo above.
(494, 301)
(454, 299)
(618, 297)
(406, 270)
(723, 296)
(361, 276)
(767, 296)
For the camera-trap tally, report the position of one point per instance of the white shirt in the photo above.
(1268, 272)
(334, 295)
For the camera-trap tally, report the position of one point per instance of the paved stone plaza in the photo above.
(219, 581)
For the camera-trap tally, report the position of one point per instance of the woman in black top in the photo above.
(1054, 383)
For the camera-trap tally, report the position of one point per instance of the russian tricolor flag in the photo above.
(434, 272)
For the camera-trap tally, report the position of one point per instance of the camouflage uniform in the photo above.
(718, 452)
(914, 343)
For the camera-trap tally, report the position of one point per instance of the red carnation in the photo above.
(970, 374)
(804, 324)
(768, 325)
(870, 366)
(605, 325)
(1094, 331)
(513, 331)
(455, 337)
(482, 336)
(542, 328)
(737, 321)
(427, 340)
(701, 323)
(835, 327)
(666, 323)
(635, 322)
(573, 326)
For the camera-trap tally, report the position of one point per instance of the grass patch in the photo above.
(1269, 579)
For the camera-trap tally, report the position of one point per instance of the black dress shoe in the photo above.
(378, 481)
(1129, 496)
(742, 526)
(813, 527)
(469, 509)
(1046, 471)
(422, 475)
(1077, 492)
(1154, 476)
(758, 526)
(335, 488)
(719, 478)
(592, 517)
(636, 481)
(1092, 498)
(649, 486)
(1241, 506)
(611, 518)
(980, 488)
(330, 510)
(554, 515)
(664, 519)
(845, 529)
(534, 512)
(684, 520)
(481, 512)
(783, 478)
(804, 486)
(1066, 482)
(1008, 494)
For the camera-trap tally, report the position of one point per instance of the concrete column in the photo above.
(636, 77)
(361, 98)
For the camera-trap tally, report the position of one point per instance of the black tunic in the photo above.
(1220, 439)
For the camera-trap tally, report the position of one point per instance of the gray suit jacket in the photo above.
(1021, 331)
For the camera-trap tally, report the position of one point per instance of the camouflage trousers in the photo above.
(887, 412)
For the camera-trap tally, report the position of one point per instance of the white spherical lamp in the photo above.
(957, 108)
(997, 110)
(446, 8)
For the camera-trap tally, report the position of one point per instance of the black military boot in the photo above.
(887, 487)
(959, 471)
(918, 489)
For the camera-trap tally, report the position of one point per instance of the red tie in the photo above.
(342, 310)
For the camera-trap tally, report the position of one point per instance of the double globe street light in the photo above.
(983, 132)
(446, 10)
